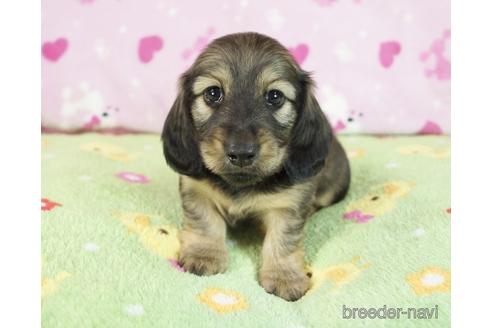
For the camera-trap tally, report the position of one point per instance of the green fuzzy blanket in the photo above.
(111, 210)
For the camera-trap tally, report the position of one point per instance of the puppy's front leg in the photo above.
(202, 236)
(282, 269)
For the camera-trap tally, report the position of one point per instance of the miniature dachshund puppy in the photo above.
(250, 142)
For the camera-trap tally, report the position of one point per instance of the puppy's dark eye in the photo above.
(212, 95)
(275, 98)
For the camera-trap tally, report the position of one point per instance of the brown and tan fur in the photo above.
(297, 165)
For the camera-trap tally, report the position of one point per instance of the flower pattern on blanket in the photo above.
(48, 205)
(160, 239)
(95, 204)
(426, 151)
(430, 280)
(223, 301)
(338, 275)
(109, 151)
(380, 200)
(132, 177)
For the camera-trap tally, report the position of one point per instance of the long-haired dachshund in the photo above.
(250, 142)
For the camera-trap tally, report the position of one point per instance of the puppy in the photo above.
(250, 142)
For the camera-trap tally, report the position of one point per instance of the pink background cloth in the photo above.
(380, 66)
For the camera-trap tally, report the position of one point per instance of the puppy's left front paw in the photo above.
(204, 263)
(290, 285)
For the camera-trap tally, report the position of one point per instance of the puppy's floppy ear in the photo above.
(178, 137)
(311, 136)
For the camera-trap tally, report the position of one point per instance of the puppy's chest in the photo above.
(248, 205)
(235, 209)
(255, 205)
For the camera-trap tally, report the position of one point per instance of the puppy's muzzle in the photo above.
(241, 154)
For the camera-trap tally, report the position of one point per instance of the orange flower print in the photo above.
(48, 205)
(430, 280)
(222, 301)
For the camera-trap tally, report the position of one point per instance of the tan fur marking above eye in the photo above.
(219, 76)
(200, 111)
(286, 115)
(286, 87)
(203, 82)
(269, 74)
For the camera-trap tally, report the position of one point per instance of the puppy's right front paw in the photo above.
(290, 285)
(205, 262)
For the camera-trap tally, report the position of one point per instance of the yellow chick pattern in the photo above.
(50, 285)
(109, 151)
(377, 202)
(338, 275)
(426, 151)
(161, 240)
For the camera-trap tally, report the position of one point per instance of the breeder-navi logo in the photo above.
(390, 313)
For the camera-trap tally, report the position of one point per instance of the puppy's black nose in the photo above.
(241, 154)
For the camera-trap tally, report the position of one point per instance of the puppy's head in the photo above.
(245, 111)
